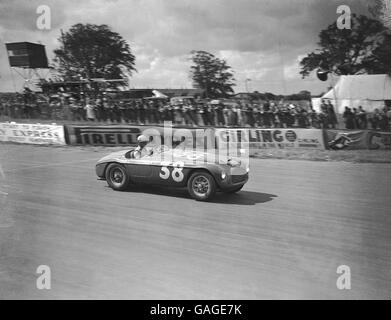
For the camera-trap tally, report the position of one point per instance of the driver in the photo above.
(142, 150)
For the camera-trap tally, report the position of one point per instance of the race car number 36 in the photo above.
(177, 174)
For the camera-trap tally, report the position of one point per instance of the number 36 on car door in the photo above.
(175, 172)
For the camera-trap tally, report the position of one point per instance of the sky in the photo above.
(262, 40)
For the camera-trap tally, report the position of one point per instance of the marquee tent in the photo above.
(368, 91)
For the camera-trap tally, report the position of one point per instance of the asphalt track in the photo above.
(282, 237)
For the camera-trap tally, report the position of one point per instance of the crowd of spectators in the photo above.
(358, 118)
(200, 113)
(191, 112)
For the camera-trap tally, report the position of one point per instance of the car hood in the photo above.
(115, 156)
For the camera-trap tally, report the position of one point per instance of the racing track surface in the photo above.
(282, 237)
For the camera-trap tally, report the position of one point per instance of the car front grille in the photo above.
(239, 178)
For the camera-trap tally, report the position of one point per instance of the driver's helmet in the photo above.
(142, 140)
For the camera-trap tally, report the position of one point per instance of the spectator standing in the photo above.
(132, 112)
(275, 118)
(388, 113)
(205, 113)
(332, 117)
(227, 119)
(74, 109)
(178, 114)
(137, 108)
(374, 119)
(90, 110)
(105, 109)
(314, 120)
(81, 111)
(383, 120)
(155, 112)
(266, 115)
(161, 111)
(52, 109)
(200, 114)
(250, 115)
(243, 113)
(142, 111)
(193, 113)
(362, 118)
(186, 113)
(324, 115)
(257, 115)
(293, 115)
(234, 115)
(2, 108)
(117, 111)
(302, 118)
(123, 117)
(355, 118)
(168, 112)
(210, 114)
(283, 115)
(220, 114)
(239, 114)
(348, 116)
(98, 111)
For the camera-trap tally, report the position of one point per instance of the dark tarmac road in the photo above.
(282, 237)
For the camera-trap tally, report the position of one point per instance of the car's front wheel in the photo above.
(117, 177)
(201, 186)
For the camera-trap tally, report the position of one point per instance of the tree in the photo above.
(211, 74)
(365, 48)
(93, 51)
(381, 10)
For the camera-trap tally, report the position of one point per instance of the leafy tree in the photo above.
(93, 51)
(211, 74)
(381, 10)
(365, 48)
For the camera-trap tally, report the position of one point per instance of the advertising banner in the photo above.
(257, 139)
(347, 139)
(379, 140)
(101, 135)
(32, 133)
(360, 139)
(126, 135)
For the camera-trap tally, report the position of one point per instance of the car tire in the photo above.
(117, 177)
(237, 189)
(201, 186)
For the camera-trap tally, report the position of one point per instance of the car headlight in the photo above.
(223, 175)
(233, 163)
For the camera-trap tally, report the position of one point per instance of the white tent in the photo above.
(368, 91)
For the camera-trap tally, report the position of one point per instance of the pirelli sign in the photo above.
(101, 135)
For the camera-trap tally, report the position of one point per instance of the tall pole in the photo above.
(334, 92)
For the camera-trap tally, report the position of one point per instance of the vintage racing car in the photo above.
(174, 168)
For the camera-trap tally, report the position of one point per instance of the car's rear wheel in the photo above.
(117, 177)
(201, 186)
(234, 190)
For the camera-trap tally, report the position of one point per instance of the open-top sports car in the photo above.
(174, 168)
